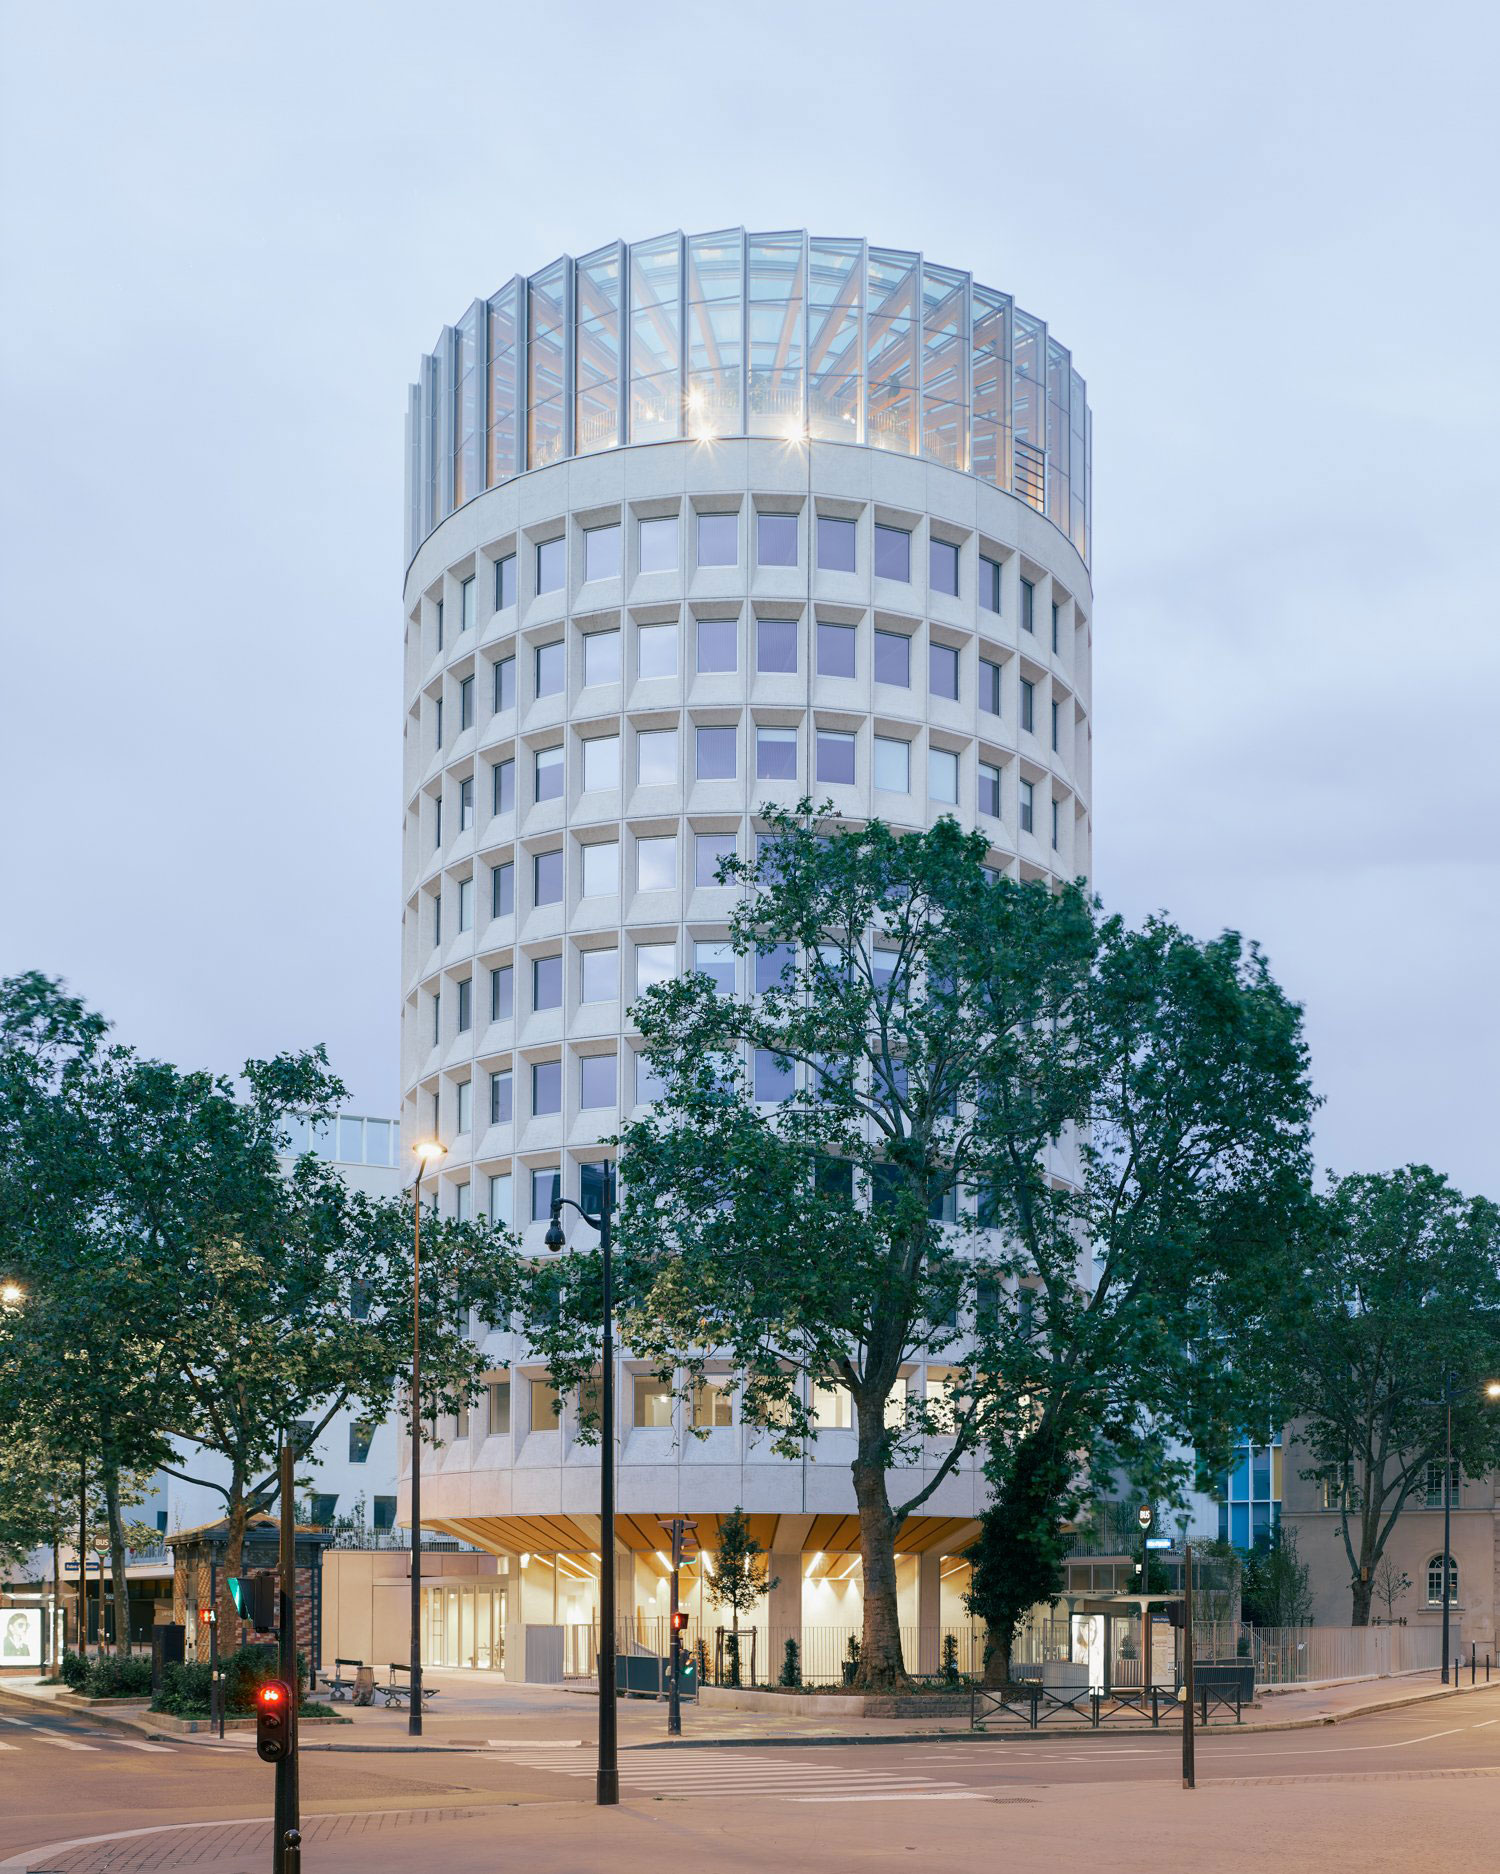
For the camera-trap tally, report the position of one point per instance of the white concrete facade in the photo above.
(526, 1485)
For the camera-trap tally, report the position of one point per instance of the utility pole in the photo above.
(1447, 1512)
(1189, 1775)
(83, 1557)
(681, 1530)
(215, 1698)
(288, 1807)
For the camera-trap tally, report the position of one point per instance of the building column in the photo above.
(929, 1658)
(783, 1611)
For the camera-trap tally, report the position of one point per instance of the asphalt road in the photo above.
(1416, 1787)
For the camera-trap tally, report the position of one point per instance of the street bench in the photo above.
(338, 1686)
(395, 1693)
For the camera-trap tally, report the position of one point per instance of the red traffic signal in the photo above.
(273, 1720)
(679, 1621)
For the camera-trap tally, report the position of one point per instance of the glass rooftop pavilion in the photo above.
(736, 334)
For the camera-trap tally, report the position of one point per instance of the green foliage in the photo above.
(1274, 1590)
(73, 1670)
(1019, 1558)
(115, 1675)
(186, 1687)
(1399, 1286)
(950, 1671)
(791, 1664)
(739, 1577)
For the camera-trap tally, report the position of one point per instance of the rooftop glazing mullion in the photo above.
(750, 333)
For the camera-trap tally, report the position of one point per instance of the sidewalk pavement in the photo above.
(473, 1711)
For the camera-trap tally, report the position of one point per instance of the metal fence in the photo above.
(1292, 1655)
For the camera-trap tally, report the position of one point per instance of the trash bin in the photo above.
(364, 1685)
(168, 1647)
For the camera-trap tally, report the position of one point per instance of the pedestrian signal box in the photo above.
(273, 1720)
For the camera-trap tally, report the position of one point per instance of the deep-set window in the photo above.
(776, 539)
(835, 545)
(942, 567)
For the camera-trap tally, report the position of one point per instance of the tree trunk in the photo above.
(881, 1667)
(119, 1586)
(235, 1519)
(1361, 1593)
(997, 1657)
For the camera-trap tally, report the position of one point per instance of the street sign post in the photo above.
(682, 1532)
(1188, 1771)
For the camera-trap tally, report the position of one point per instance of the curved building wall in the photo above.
(613, 664)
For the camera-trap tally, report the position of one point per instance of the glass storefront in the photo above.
(463, 1624)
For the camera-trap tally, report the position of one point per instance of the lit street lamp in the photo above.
(607, 1779)
(11, 1294)
(1491, 1391)
(428, 1152)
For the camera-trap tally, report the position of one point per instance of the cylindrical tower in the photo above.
(696, 525)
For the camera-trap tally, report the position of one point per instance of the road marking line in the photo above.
(131, 1743)
(64, 1743)
(915, 1795)
(10, 1746)
(513, 1743)
(1480, 1727)
(24, 1723)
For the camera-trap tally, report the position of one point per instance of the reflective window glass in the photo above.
(601, 657)
(716, 961)
(505, 683)
(989, 789)
(546, 1087)
(466, 703)
(545, 1186)
(501, 1106)
(502, 993)
(591, 1187)
(466, 803)
(466, 904)
(835, 754)
(546, 982)
(601, 761)
(709, 850)
(503, 890)
(775, 645)
(989, 687)
(658, 543)
(598, 975)
(656, 757)
(601, 553)
(502, 1210)
(942, 670)
(653, 1402)
(1028, 605)
(596, 1081)
(716, 753)
(468, 600)
(989, 584)
(654, 963)
(775, 754)
(773, 1077)
(656, 650)
(774, 968)
(835, 545)
(893, 659)
(1027, 806)
(649, 1084)
(601, 868)
(776, 539)
(892, 765)
(551, 566)
(892, 553)
(1028, 705)
(549, 773)
(942, 567)
(551, 666)
(505, 583)
(547, 876)
(656, 863)
(718, 539)
(836, 648)
(942, 776)
(717, 644)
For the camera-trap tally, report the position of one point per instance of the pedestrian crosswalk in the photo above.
(39, 1732)
(786, 1776)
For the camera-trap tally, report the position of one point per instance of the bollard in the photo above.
(1473, 1661)
(291, 1852)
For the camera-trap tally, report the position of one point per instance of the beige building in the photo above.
(1415, 1549)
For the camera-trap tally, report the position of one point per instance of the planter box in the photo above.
(188, 1727)
(75, 1701)
(838, 1704)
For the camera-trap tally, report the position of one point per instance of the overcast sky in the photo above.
(1268, 234)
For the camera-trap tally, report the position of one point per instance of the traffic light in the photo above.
(260, 1602)
(1177, 1613)
(273, 1720)
(679, 1621)
(205, 1616)
(237, 1593)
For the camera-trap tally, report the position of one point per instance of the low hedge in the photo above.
(185, 1688)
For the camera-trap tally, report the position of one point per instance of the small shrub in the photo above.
(110, 1676)
(791, 1664)
(73, 1671)
(951, 1673)
(184, 1689)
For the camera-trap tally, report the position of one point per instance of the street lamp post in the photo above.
(607, 1778)
(1447, 1510)
(428, 1151)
